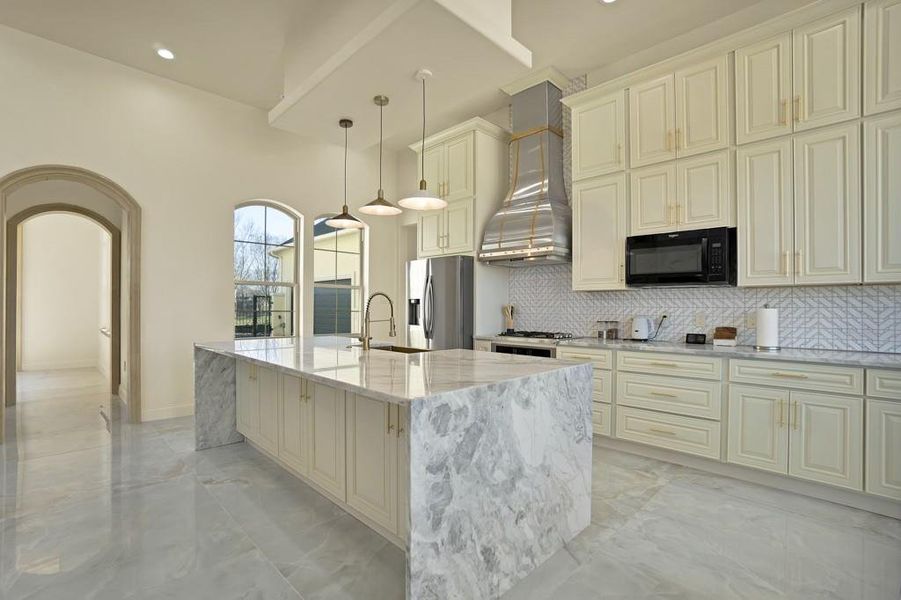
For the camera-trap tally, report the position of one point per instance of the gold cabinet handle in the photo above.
(664, 395)
(663, 431)
(785, 263)
(680, 213)
(798, 262)
(622, 272)
(781, 413)
(390, 424)
(678, 139)
(664, 364)
(796, 415)
(669, 141)
(796, 109)
(790, 375)
(783, 113)
(619, 154)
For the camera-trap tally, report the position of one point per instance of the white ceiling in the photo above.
(238, 48)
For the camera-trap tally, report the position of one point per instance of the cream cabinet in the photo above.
(763, 89)
(810, 435)
(602, 384)
(481, 345)
(371, 434)
(692, 193)
(430, 233)
(446, 231)
(882, 56)
(826, 70)
(294, 423)
(826, 442)
(702, 107)
(267, 437)
(652, 121)
(883, 455)
(758, 428)
(327, 443)
(599, 233)
(449, 167)
(683, 114)
(247, 399)
(765, 213)
(827, 206)
(882, 197)
(403, 472)
(599, 137)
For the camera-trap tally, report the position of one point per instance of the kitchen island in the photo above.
(477, 464)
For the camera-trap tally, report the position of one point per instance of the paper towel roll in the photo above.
(767, 327)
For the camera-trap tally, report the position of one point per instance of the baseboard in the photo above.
(167, 412)
(859, 500)
(58, 365)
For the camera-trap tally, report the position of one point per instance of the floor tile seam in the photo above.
(238, 524)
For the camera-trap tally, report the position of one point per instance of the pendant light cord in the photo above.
(422, 153)
(381, 110)
(345, 169)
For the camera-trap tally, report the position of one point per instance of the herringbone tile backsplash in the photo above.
(864, 318)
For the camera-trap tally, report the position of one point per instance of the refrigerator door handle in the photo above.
(430, 303)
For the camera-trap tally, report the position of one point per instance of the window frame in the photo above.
(296, 296)
(364, 277)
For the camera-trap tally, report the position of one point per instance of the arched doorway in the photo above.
(126, 285)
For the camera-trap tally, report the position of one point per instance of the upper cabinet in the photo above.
(882, 56)
(799, 80)
(680, 115)
(763, 90)
(826, 70)
(882, 199)
(465, 165)
(599, 233)
(599, 137)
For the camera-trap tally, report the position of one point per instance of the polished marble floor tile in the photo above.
(132, 512)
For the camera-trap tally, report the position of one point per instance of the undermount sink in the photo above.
(400, 349)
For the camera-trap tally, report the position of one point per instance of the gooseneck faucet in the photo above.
(392, 331)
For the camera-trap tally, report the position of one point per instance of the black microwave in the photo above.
(682, 258)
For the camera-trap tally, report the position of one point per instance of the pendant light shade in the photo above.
(423, 198)
(380, 207)
(345, 220)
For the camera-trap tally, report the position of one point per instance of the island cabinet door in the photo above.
(268, 410)
(826, 442)
(293, 420)
(326, 405)
(372, 427)
(247, 400)
(403, 472)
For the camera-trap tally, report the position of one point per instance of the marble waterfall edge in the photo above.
(500, 479)
(214, 400)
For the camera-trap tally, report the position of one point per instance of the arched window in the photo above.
(338, 279)
(265, 271)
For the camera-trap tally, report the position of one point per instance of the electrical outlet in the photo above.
(700, 320)
(751, 320)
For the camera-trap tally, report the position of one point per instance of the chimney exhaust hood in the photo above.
(534, 223)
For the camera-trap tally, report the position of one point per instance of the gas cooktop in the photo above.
(545, 335)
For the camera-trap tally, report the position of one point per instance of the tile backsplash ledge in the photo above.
(865, 318)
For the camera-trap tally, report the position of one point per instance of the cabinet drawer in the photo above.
(688, 397)
(685, 434)
(602, 386)
(820, 378)
(600, 417)
(481, 346)
(601, 359)
(882, 383)
(670, 364)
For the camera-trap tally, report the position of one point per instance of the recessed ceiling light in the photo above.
(608, 1)
(165, 53)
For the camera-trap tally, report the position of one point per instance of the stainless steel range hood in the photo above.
(534, 223)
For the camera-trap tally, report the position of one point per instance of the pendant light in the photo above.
(380, 207)
(423, 199)
(345, 220)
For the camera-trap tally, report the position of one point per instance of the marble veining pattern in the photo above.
(136, 513)
(884, 360)
(391, 376)
(500, 479)
(214, 400)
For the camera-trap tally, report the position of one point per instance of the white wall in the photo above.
(187, 157)
(62, 289)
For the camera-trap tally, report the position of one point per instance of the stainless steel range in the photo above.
(529, 343)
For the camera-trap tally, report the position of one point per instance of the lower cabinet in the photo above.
(257, 404)
(267, 436)
(372, 430)
(327, 447)
(674, 432)
(884, 448)
(810, 435)
(294, 424)
(601, 414)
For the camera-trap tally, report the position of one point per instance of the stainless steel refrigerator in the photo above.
(439, 302)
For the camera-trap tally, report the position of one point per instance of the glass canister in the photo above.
(608, 330)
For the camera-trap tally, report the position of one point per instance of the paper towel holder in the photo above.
(766, 348)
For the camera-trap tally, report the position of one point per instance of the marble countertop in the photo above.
(806, 355)
(390, 376)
